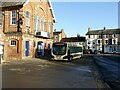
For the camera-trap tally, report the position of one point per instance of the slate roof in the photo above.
(56, 33)
(8, 3)
(107, 31)
(73, 39)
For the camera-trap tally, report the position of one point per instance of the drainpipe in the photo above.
(18, 28)
(103, 39)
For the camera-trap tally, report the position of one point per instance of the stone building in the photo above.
(104, 40)
(26, 24)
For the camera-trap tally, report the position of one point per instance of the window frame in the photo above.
(42, 24)
(13, 16)
(106, 41)
(114, 41)
(0, 18)
(13, 43)
(98, 42)
(27, 18)
(89, 36)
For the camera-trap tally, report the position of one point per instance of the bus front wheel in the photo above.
(69, 58)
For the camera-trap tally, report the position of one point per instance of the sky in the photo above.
(77, 17)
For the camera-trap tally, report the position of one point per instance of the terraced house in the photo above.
(27, 25)
(104, 40)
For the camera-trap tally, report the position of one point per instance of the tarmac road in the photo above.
(109, 66)
(39, 73)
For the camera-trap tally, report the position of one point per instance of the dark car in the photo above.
(87, 51)
(97, 52)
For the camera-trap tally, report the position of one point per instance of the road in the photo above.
(109, 66)
(39, 73)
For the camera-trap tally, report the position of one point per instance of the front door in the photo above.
(27, 48)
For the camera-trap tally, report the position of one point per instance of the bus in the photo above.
(65, 51)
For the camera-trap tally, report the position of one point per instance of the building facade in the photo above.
(58, 35)
(104, 40)
(2, 37)
(77, 41)
(25, 25)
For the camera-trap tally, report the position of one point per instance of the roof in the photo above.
(52, 10)
(106, 31)
(56, 33)
(73, 39)
(12, 3)
(8, 3)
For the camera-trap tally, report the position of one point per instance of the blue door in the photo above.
(27, 48)
(39, 48)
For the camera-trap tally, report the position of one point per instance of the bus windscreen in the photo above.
(59, 49)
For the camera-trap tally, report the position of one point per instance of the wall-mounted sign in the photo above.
(1, 49)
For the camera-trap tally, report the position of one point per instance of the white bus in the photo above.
(64, 51)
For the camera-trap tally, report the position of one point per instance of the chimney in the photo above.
(104, 28)
(89, 29)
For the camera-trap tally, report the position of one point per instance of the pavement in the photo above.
(41, 73)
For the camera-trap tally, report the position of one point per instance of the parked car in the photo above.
(97, 52)
(87, 51)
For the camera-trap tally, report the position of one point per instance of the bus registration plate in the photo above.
(58, 57)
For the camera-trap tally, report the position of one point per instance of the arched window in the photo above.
(42, 22)
(0, 18)
(27, 18)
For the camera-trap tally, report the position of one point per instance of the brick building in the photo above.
(25, 25)
(2, 37)
(58, 35)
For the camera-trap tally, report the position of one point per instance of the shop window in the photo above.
(12, 43)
